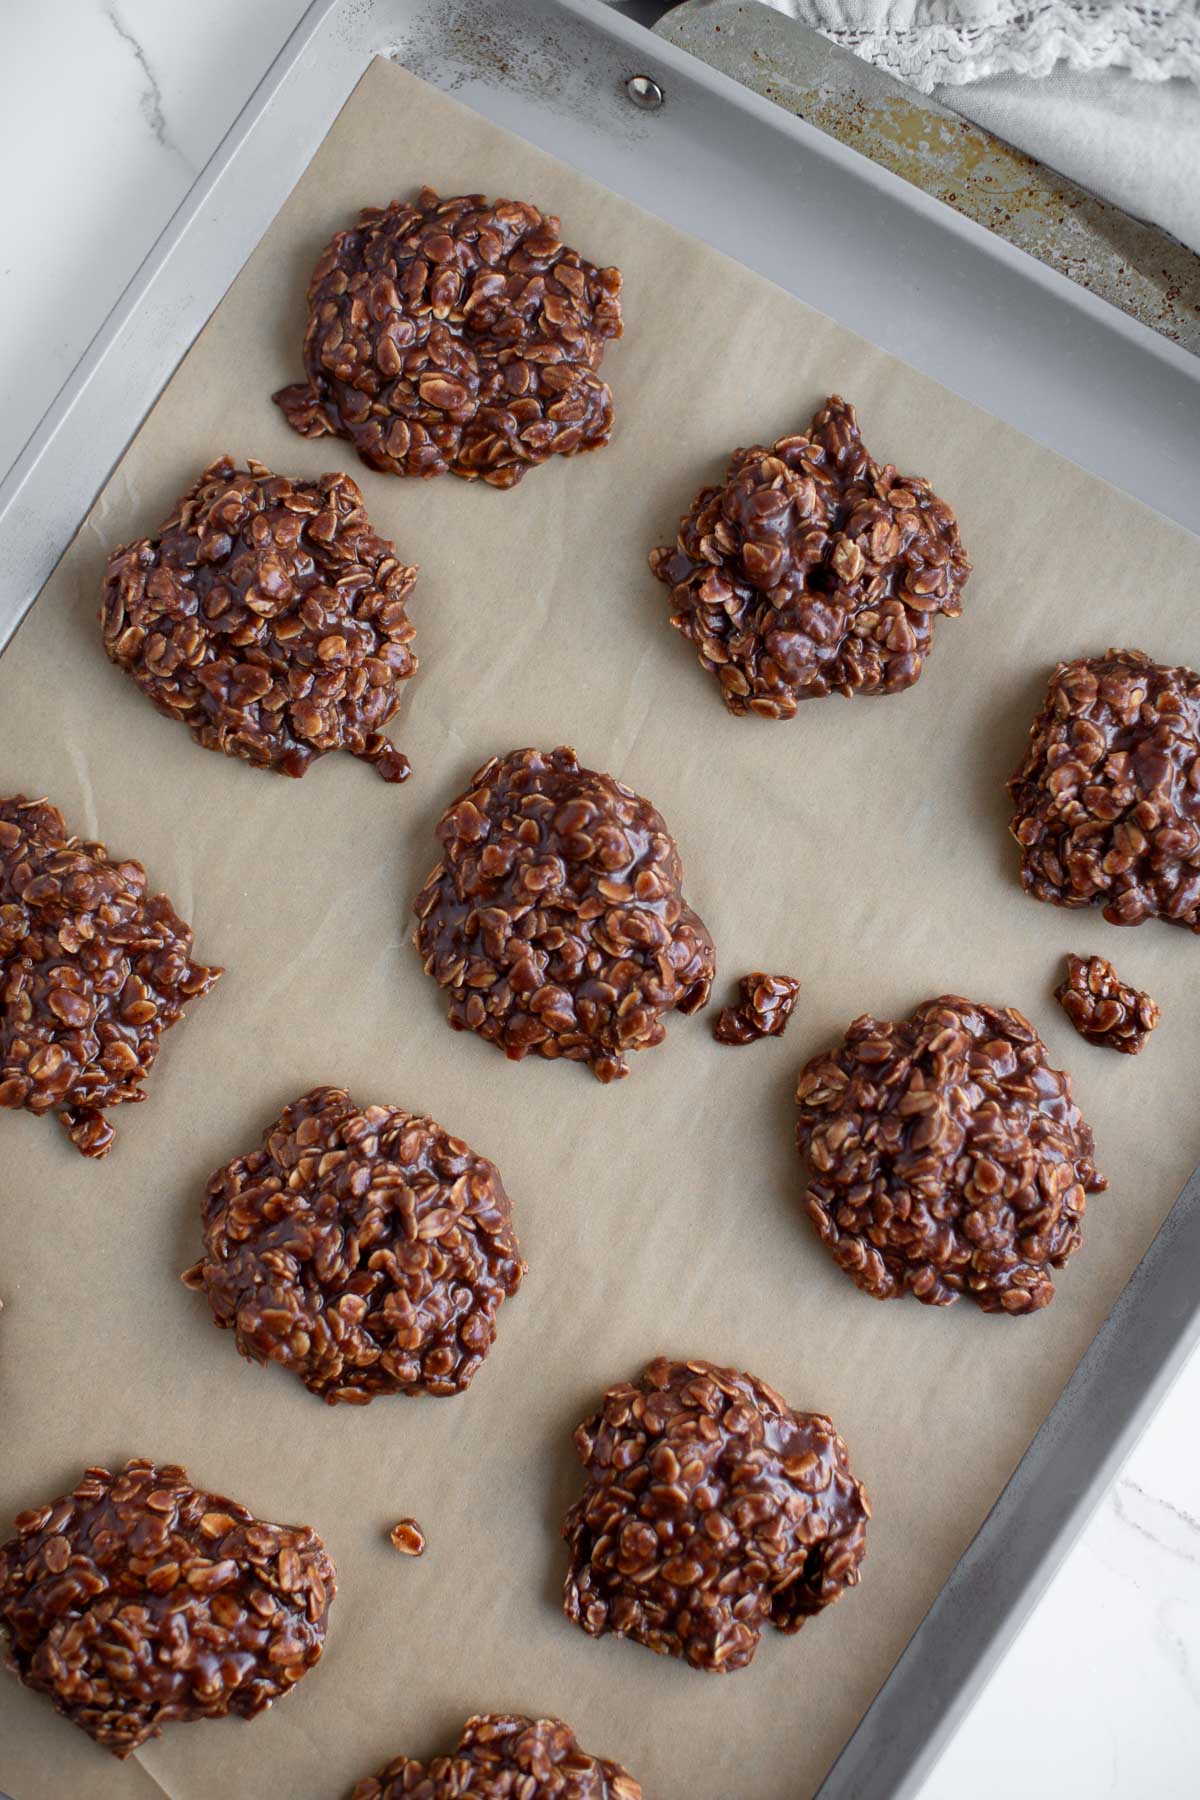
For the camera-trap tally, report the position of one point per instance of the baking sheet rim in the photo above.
(858, 1770)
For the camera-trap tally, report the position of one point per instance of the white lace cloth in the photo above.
(932, 42)
(1108, 94)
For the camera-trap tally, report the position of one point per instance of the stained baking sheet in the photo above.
(862, 847)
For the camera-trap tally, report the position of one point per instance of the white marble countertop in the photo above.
(110, 109)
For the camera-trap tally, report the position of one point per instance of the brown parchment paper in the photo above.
(862, 847)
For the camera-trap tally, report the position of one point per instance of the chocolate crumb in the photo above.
(1104, 1009)
(407, 1537)
(763, 1011)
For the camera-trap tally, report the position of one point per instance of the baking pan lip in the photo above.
(1118, 1385)
(1156, 1321)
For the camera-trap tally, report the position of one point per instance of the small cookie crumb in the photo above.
(408, 1538)
(1103, 1008)
(763, 1011)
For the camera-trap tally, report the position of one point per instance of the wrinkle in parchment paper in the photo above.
(862, 846)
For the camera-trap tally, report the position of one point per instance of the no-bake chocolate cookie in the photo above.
(556, 918)
(138, 1599)
(1106, 804)
(456, 335)
(813, 570)
(711, 1509)
(364, 1249)
(946, 1157)
(93, 970)
(1104, 1009)
(505, 1757)
(269, 618)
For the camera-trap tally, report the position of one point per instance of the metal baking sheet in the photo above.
(906, 273)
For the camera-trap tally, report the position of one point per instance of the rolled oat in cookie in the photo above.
(556, 918)
(946, 1157)
(813, 570)
(456, 335)
(93, 970)
(364, 1249)
(268, 617)
(763, 1010)
(407, 1537)
(1106, 804)
(138, 1599)
(504, 1756)
(711, 1509)
(1103, 1008)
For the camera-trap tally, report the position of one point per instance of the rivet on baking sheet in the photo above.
(645, 92)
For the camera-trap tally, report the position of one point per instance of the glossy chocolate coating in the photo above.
(946, 1157)
(1106, 804)
(763, 1010)
(365, 1250)
(503, 1756)
(93, 970)
(556, 918)
(269, 618)
(813, 570)
(456, 335)
(711, 1510)
(1104, 1009)
(138, 1599)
